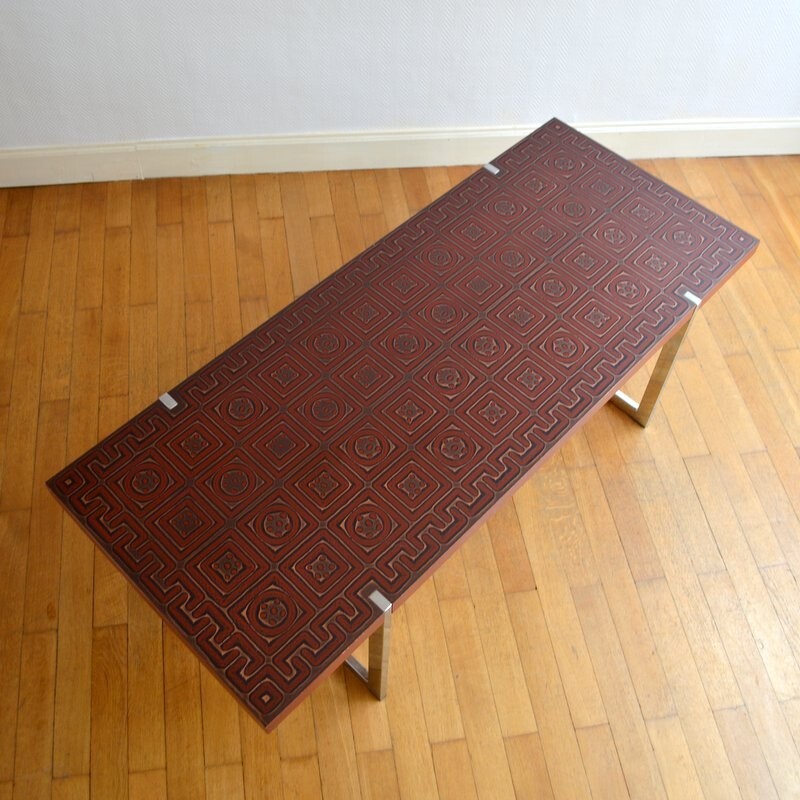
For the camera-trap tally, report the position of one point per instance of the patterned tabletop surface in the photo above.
(349, 442)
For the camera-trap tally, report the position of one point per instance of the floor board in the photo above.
(626, 625)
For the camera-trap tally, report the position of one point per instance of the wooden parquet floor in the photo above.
(628, 624)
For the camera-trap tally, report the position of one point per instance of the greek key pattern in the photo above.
(349, 442)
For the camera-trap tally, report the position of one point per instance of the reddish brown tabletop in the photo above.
(352, 440)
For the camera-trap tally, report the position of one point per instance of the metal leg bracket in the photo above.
(642, 410)
(376, 673)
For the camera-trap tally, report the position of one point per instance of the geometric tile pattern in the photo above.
(348, 443)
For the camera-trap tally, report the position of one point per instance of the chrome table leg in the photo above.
(376, 673)
(642, 410)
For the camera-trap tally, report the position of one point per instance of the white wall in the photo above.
(104, 71)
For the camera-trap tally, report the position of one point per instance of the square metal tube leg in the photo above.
(376, 673)
(642, 410)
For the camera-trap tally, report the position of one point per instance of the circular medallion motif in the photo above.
(326, 343)
(241, 408)
(145, 481)
(271, 612)
(486, 346)
(628, 289)
(234, 481)
(406, 343)
(368, 525)
(574, 209)
(276, 524)
(368, 446)
(683, 238)
(439, 257)
(448, 377)
(564, 163)
(453, 448)
(512, 258)
(614, 235)
(443, 313)
(324, 410)
(564, 347)
(505, 208)
(553, 287)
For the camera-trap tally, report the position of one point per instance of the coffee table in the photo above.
(275, 504)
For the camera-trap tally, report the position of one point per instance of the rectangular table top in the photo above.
(349, 442)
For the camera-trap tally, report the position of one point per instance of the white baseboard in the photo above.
(411, 148)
